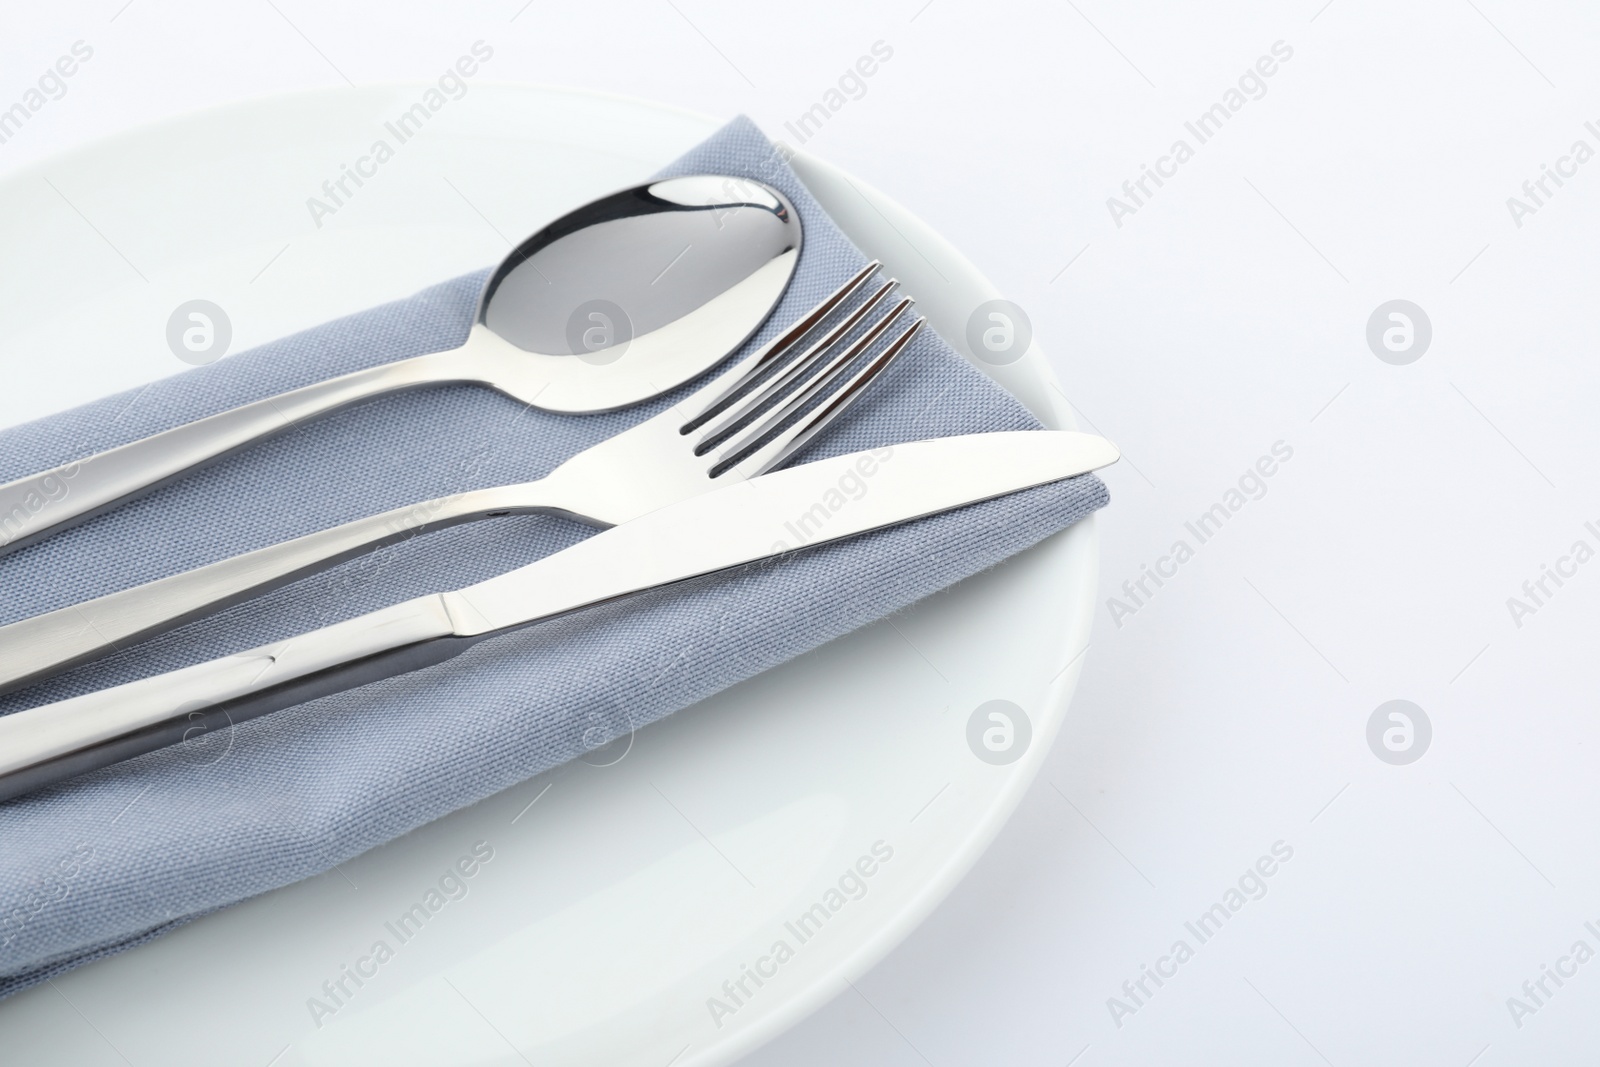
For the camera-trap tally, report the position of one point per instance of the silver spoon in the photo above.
(612, 304)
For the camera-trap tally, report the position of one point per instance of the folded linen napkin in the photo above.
(122, 855)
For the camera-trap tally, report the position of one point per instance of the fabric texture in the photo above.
(116, 857)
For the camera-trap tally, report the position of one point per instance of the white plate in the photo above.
(621, 897)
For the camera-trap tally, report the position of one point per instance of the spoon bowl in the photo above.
(636, 292)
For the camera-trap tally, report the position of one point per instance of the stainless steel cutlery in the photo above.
(746, 421)
(619, 301)
(745, 521)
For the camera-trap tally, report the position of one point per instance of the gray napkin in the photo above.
(122, 855)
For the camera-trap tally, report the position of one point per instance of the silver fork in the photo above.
(746, 421)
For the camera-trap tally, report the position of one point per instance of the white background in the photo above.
(1228, 313)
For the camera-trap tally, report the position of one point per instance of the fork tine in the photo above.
(802, 368)
(819, 383)
(843, 388)
(736, 382)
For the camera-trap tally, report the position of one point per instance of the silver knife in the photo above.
(766, 516)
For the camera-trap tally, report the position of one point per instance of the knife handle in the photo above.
(49, 744)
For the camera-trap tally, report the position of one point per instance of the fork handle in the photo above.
(54, 742)
(50, 643)
(197, 727)
(37, 505)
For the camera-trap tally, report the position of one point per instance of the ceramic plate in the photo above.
(627, 909)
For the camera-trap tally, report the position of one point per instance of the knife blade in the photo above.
(764, 517)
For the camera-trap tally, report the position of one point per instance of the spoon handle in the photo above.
(47, 644)
(37, 505)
